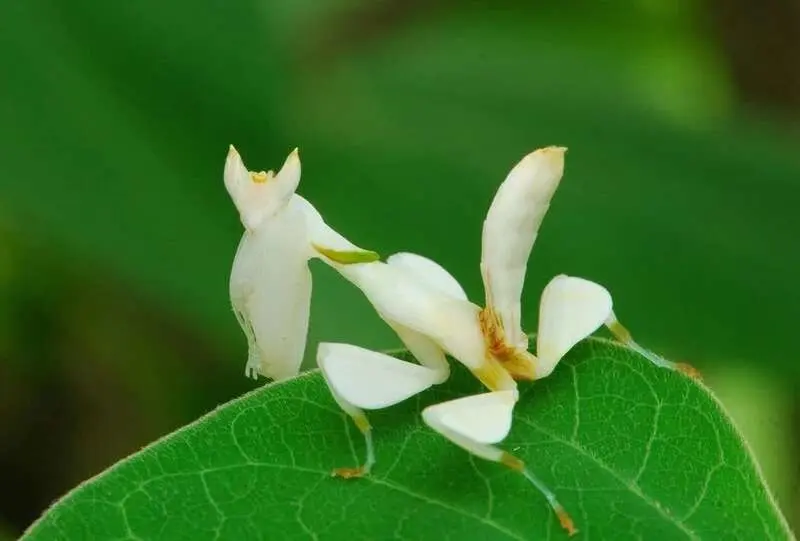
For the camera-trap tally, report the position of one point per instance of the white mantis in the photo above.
(421, 302)
(270, 282)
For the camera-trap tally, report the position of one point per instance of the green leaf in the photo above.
(633, 452)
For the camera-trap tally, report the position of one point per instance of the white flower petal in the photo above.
(428, 272)
(259, 196)
(510, 230)
(270, 289)
(570, 310)
(484, 418)
(371, 380)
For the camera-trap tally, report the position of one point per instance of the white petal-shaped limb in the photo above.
(359, 378)
(570, 310)
(451, 323)
(429, 272)
(371, 380)
(259, 195)
(476, 422)
(433, 275)
(339, 253)
(510, 230)
(270, 288)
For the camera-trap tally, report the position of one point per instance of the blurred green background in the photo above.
(116, 234)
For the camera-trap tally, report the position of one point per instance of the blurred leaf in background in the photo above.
(117, 235)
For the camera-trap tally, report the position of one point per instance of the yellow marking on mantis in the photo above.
(520, 365)
(622, 334)
(362, 423)
(261, 177)
(512, 462)
(494, 375)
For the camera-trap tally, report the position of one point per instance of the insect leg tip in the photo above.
(689, 370)
(566, 521)
(350, 473)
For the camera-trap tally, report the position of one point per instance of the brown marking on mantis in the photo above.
(517, 363)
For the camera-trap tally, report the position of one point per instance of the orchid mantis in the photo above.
(422, 302)
(270, 284)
